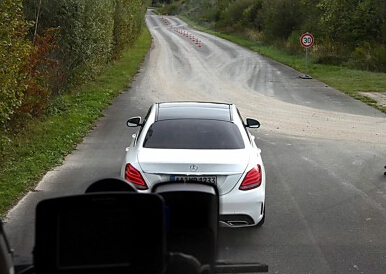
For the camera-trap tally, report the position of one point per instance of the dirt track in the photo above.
(219, 71)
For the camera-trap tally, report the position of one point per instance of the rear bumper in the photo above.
(242, 208)
(239, 208)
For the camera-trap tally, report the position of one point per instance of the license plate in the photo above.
(183, 178)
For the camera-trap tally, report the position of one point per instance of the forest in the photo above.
(351, 33)
(48, 47)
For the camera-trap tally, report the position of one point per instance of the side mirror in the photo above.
(134, 122)
(252, 123)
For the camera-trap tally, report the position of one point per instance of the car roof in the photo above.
(194, 110)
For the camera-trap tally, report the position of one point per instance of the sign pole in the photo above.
(306, 40)
(306, 60)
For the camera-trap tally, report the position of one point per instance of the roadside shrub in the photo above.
(251, 15)
(281, 18)
(170, 9)
(92, 33)
(233, 14)
(331, 59)
(293, 45)
(14, 56)
(370, 57)
(85, 38)
(42, 75)
(47, 47)
(253, 35)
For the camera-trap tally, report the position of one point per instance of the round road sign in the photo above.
(307, 40)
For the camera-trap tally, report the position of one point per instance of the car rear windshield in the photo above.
(193, 134)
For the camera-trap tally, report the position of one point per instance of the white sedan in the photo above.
(205, 142)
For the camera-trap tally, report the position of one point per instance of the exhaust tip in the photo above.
(236, 220)
(237, 223)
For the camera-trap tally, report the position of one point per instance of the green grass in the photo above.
(44, 143)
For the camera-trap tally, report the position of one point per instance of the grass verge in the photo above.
(45, 142)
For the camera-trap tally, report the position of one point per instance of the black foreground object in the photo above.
(100, 233)
(112, 230)
(110, 185)
(192, 219)
(6, 255)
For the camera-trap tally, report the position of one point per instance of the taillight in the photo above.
(135, 177)
(252, 179)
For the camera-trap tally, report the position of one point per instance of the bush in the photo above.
(69, 42)
(86, 36)
(370, 57)
(293, 45)
(281, 18)
(234, 13)
(170, 9)
(14, 53)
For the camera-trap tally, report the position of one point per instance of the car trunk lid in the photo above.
(163, 165)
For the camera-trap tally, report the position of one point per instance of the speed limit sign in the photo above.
(307, 40)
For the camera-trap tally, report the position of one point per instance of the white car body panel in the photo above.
(230, 166)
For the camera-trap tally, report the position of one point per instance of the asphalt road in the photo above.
(323, 151)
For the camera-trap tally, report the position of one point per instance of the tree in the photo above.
(281, 18)
(350, 22)
(14, 53)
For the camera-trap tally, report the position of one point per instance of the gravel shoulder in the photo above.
(380, 97)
